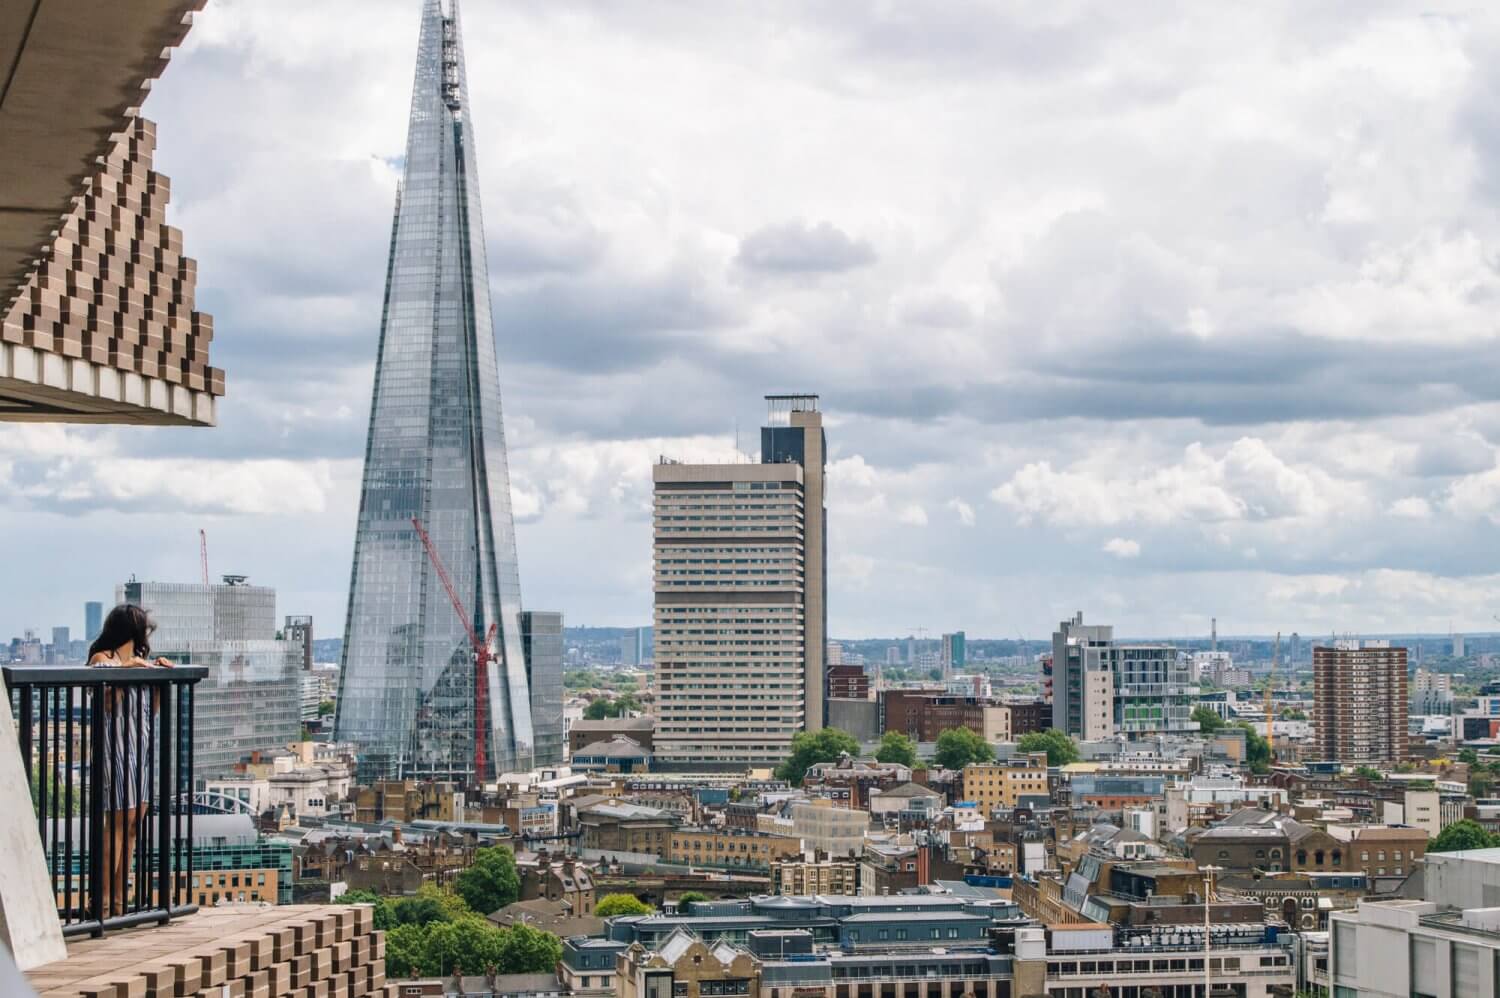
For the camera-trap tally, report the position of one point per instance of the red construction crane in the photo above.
(482, 653)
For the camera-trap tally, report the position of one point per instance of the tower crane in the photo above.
(482, 654)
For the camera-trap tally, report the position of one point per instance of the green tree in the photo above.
(405, 947)
(1291, 714)
(621, 904)
(382, 907)
(1208, 720)
(325, 708)
(57, 795)
(958, 747)
(525, 950)
(1468, 755)
(599, 709)
(690, 896)
(812, 747)
(1464, 834)
(1060, 749)
(1368, 773)
(1257, 750)
(896, 748)
(491, 882)
(469, 943)
(430, 904)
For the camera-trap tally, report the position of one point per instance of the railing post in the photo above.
(96, 808)
(166, 802)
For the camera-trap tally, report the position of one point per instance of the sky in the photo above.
(1156, 311)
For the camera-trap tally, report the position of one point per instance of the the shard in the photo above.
(435, 454)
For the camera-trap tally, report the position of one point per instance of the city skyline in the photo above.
(1063, 367)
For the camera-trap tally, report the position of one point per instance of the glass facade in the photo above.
(435, 452)
(542, 643)
(251, 700)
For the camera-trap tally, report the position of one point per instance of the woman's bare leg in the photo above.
(131, 831)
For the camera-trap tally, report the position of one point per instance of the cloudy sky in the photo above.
(1155, 311)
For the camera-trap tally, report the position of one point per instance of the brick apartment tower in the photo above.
(1359, 702)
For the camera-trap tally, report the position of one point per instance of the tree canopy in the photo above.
(434, 931)
(1060, 749)
(897, 749)
(621, 904)
(599, 709)
(1368, 773)
(1208, 720)
(690, 896)
(1257, 750)
(1465, 834)
(812, 747)
(960, 747)
(491, 882)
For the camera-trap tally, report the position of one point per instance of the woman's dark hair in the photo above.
(125, 622)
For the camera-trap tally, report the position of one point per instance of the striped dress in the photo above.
(127, 726)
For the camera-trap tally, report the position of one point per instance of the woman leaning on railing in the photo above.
(124, 642)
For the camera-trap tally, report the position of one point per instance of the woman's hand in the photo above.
(162, 663)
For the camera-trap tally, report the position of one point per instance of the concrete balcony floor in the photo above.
(243, 951)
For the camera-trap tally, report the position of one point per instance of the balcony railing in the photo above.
(109, 757)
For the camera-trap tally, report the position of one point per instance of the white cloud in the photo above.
(963, 511)
(1122, 547)
(1412, 508)
(1247, 482)
(913, 515)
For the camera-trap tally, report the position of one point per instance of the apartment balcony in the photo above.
(96, 741)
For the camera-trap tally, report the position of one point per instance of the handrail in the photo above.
(109, 761)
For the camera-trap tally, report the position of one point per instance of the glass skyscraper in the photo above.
(435, 453)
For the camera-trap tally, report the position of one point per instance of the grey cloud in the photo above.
(594, 325)
(799, 248)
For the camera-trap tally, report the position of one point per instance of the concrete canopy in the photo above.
(69, 72)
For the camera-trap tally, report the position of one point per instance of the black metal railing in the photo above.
(109, 757)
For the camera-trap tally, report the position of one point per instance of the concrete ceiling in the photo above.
(69, 70)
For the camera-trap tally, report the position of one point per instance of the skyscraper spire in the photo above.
(435, 453)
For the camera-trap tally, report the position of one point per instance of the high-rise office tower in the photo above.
(542, 644)
(1359, 702)
(93, 619)
(954, 653)
(251, 700)
(436, 454)
(741, 598)
(299, 631)
(60, 641)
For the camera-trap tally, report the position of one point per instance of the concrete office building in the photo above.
(1082, 686)
(251, 700)
(1102, 687)
(1445, 944)
(740, 598)
(93, 620)
(542, 644)
(1359, 702)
